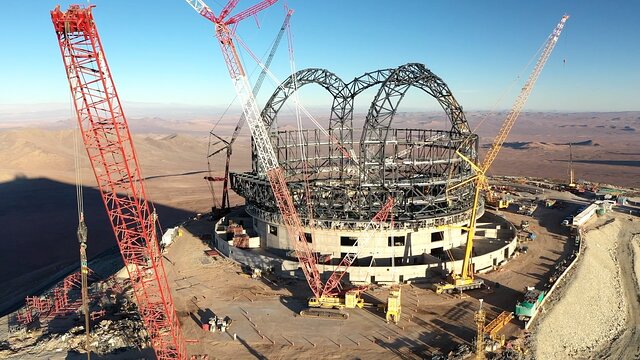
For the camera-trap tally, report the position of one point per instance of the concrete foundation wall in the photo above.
(370, 243)
(404, 273)
(416, 244)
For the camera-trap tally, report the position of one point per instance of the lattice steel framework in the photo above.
(108, 143)
(411, 165)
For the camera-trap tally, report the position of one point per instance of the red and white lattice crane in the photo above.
(108, 143)
(267, 155)
(228, 144)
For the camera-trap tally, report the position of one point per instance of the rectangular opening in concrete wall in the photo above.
(437, 236)
(307, 236)
(364, 260)
(348, 240)
(437, 252)
(396, 240)
(273, 230)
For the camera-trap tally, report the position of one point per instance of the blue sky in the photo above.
(163, 52)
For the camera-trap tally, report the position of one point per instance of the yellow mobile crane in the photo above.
(465, 279)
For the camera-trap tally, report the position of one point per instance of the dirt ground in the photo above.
(38, 212)
(265, 313)
(597, 322)
(627, 344)
(592, 309)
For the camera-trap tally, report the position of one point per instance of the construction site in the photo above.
(355, 239)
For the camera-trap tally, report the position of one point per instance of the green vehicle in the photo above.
(527, 308)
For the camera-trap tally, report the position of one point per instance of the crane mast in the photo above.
(467, 272)
(256, 88)
(465, 279)
(109, 145)
(324, 294)
(264, 149)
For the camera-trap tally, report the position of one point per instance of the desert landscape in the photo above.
(426, 197)
(38, 175)
(39, 212)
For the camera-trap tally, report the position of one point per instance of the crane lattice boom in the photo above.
(524, 95)
(481, 180)
(262, 143)
(108, 143)
(228, 145)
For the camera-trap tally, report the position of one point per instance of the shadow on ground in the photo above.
(134, 354)
(39, 220)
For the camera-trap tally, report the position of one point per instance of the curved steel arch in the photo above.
(328, 80)
(355, 87)
(415, 167)
(341, 120)
(385, 104)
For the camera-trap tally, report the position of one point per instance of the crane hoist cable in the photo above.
(228, 144)
(509, 88)
(493, 111)
(82, 231)
(278, 84)
(301, 143)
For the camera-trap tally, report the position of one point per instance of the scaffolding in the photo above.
(351, 179)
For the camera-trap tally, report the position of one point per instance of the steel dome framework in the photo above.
(350, 180)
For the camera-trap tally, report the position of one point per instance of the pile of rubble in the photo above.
(116, 326)
(109, 336)
(463, 351)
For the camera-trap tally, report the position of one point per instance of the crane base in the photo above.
(449, 288)
(329, 314)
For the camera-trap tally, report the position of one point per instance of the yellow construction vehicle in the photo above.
(351, 300)
(394, 305)
(325, 306)
(456, 282)
(465, 280)
(496, 200)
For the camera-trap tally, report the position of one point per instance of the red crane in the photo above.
(265, 151)
(228, 145)
(324, 293)
(108, 143)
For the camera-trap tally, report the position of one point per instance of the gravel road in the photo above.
(598, 313)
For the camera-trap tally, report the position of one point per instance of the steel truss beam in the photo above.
(108, 143)
(412, 165)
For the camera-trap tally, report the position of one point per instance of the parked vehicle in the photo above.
(529, 306)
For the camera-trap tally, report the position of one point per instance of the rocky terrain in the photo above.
(596, 306)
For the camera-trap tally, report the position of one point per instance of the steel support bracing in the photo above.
(412, 165)
(108, 143)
